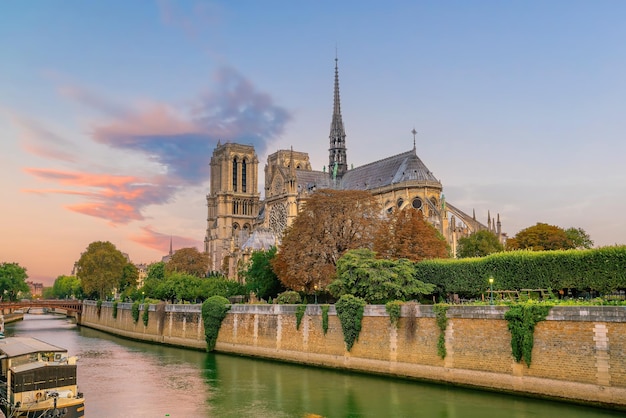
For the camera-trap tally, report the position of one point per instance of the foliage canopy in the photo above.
(479, 244)
(100, 268)
(12, 281)
(377, 281)
(188, 261)
(260, 277)
(405, 234)
(541, 237)
(331, 223)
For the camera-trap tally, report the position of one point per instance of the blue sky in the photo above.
(109, 111)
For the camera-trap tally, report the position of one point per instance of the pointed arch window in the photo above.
(244, 166)
(235, 174)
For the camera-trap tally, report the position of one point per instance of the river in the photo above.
(122, 378)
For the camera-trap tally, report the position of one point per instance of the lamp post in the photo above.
(315, 288)
(491, 290)
(143, 296)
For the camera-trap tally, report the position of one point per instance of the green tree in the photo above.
(405, 234)
(66, 287)
(541, 237)
(580, 239)
(100, 268)
(189, 261)
(130, 277)
(12, 281)
(155, 274)
(331, 223)
(479, 244)
(260, 277)
(377, 281)
(178, 287)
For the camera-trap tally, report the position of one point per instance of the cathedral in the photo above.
(239, 222)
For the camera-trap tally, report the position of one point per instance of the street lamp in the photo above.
(143, 296)
(491, 290)
(315, 288)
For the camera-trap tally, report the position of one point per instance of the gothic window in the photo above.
(244, 166)
(278, 218)
(278, 186)
(400, 202)
(417, 203)
(235, 174)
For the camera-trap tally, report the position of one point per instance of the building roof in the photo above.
(261, 239)
(18, 346)
(395, 169)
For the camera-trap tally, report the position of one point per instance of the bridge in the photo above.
(67, 305)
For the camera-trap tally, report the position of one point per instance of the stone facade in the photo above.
(578, 353)
(399, 182)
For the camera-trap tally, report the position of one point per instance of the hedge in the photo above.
(601, 269)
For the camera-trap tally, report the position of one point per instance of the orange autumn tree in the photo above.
(405, 234)
(330, 223)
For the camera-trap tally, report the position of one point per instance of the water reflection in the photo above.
(123, 378)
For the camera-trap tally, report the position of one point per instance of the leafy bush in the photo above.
(214, 311)
(300, 309)
(135, 311)
(350, 312)
(394, 309)
(601, 269)
(441, 316)
(325, 318)
(288, 298)
(146, 314)
(115, 310)
(522, 319)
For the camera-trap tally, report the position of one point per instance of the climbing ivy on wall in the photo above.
(350, 312)
(441, 316)
(394, 309)
(300, 309)
(214, 311)
(115, 310)
(522, 319)
(135, 311)
(325, 318)
(146, 314)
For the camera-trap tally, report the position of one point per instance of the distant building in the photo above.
(36, 289)
(167, 257)
(236, 212)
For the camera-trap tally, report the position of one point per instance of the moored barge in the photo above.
(38, 380)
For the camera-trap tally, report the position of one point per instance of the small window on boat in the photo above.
(57, 357)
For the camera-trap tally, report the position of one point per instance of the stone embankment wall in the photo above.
(579, 353)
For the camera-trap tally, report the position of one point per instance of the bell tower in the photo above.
(233, 204)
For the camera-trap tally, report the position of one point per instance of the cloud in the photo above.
(161, 242)
(180, 143)
(192, 22)
(42, 142)
(118, 199)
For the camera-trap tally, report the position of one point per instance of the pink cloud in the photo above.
(118, 199)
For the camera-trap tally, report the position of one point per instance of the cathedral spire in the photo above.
(171, 252)
(337, 162)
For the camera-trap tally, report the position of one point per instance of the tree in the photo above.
(580, 239)
(100, 268)
(155, 274)
(66, 287)
(130, 277)
(190, 261)
(539, 238)
(330, 223)
(377, 281)
(405, 234)
(479, 244)
(12, 281)
(260, 277)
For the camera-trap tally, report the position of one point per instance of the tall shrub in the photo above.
(214, 311)
(350, 312)
(135, 311)
(441, 316)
